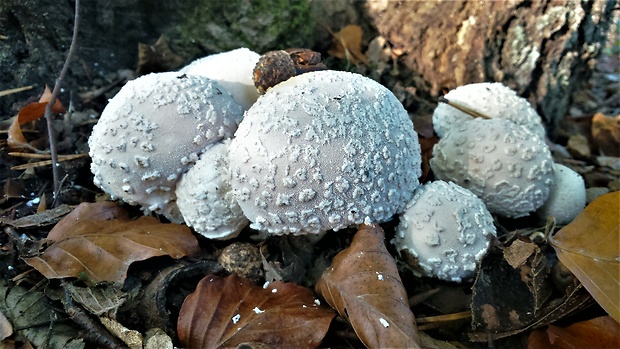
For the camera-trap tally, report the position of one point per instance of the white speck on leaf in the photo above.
(384, 322)
(237, 317)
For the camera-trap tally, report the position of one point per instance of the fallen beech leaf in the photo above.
(600, 333)
(363, 285)
(30, 113)
(226, 312)
(590, 248)
(98, 242)
(347, 43)
(606, 133)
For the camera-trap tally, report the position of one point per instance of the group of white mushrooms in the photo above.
(326, 150)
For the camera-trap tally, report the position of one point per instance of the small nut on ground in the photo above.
(242, 258)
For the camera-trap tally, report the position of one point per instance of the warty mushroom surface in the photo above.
(502, 163)
(445, 231)
(152, 131)
(205, 198)
(494, 100)
(324, 150)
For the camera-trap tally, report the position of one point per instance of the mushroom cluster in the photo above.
(324, 150)
(445, 231)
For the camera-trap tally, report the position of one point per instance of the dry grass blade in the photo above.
(14, 90)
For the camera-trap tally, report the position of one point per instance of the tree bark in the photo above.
(544, 49)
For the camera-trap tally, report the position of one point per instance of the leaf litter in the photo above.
(525, 263)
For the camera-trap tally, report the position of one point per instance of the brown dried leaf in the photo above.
(590, 247)
(30, 113)
(224, 313)
(347, 43)
(606, 133)
(510, 290)
(157, 57)
(6, 329)
(98, 242)
(600, 333)
(363, 285)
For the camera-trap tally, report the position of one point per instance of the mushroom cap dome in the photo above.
(567, 198)
(152, 131)
(324, 150)
(495, 100)
(233, 70)
(205, 198)
(502, 163)
(445, 231)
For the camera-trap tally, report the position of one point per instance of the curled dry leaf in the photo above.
(600, 333)
(363, 285)
(226, 312)
(347, 43)
(98, 242)
(590, 248)
(30, 113)
(606, 133)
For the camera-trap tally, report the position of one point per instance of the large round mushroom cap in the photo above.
(324, 150)
(494, 100)
(504, 164)
(445, 231)
(567, 198)
(205, 198)
(233, 70)
(152, 131)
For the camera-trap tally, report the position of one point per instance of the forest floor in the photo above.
(91, 300)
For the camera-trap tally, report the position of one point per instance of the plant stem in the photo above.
(48, 108)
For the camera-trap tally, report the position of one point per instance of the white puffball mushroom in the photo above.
(502, 163)
(324, 150)
(445, 231)
(233, 70)
(494, 100)
(152, 131)
(205, 198)
(567, 198)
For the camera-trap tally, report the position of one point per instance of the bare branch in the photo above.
(48, 108)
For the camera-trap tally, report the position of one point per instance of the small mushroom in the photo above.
(494, 100)
(444, 232)
(205, 198)
(324, 150)
(233, 70)
(152, 131)
(504, 164)
(567, 198)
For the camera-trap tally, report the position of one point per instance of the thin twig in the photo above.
(48, 108)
